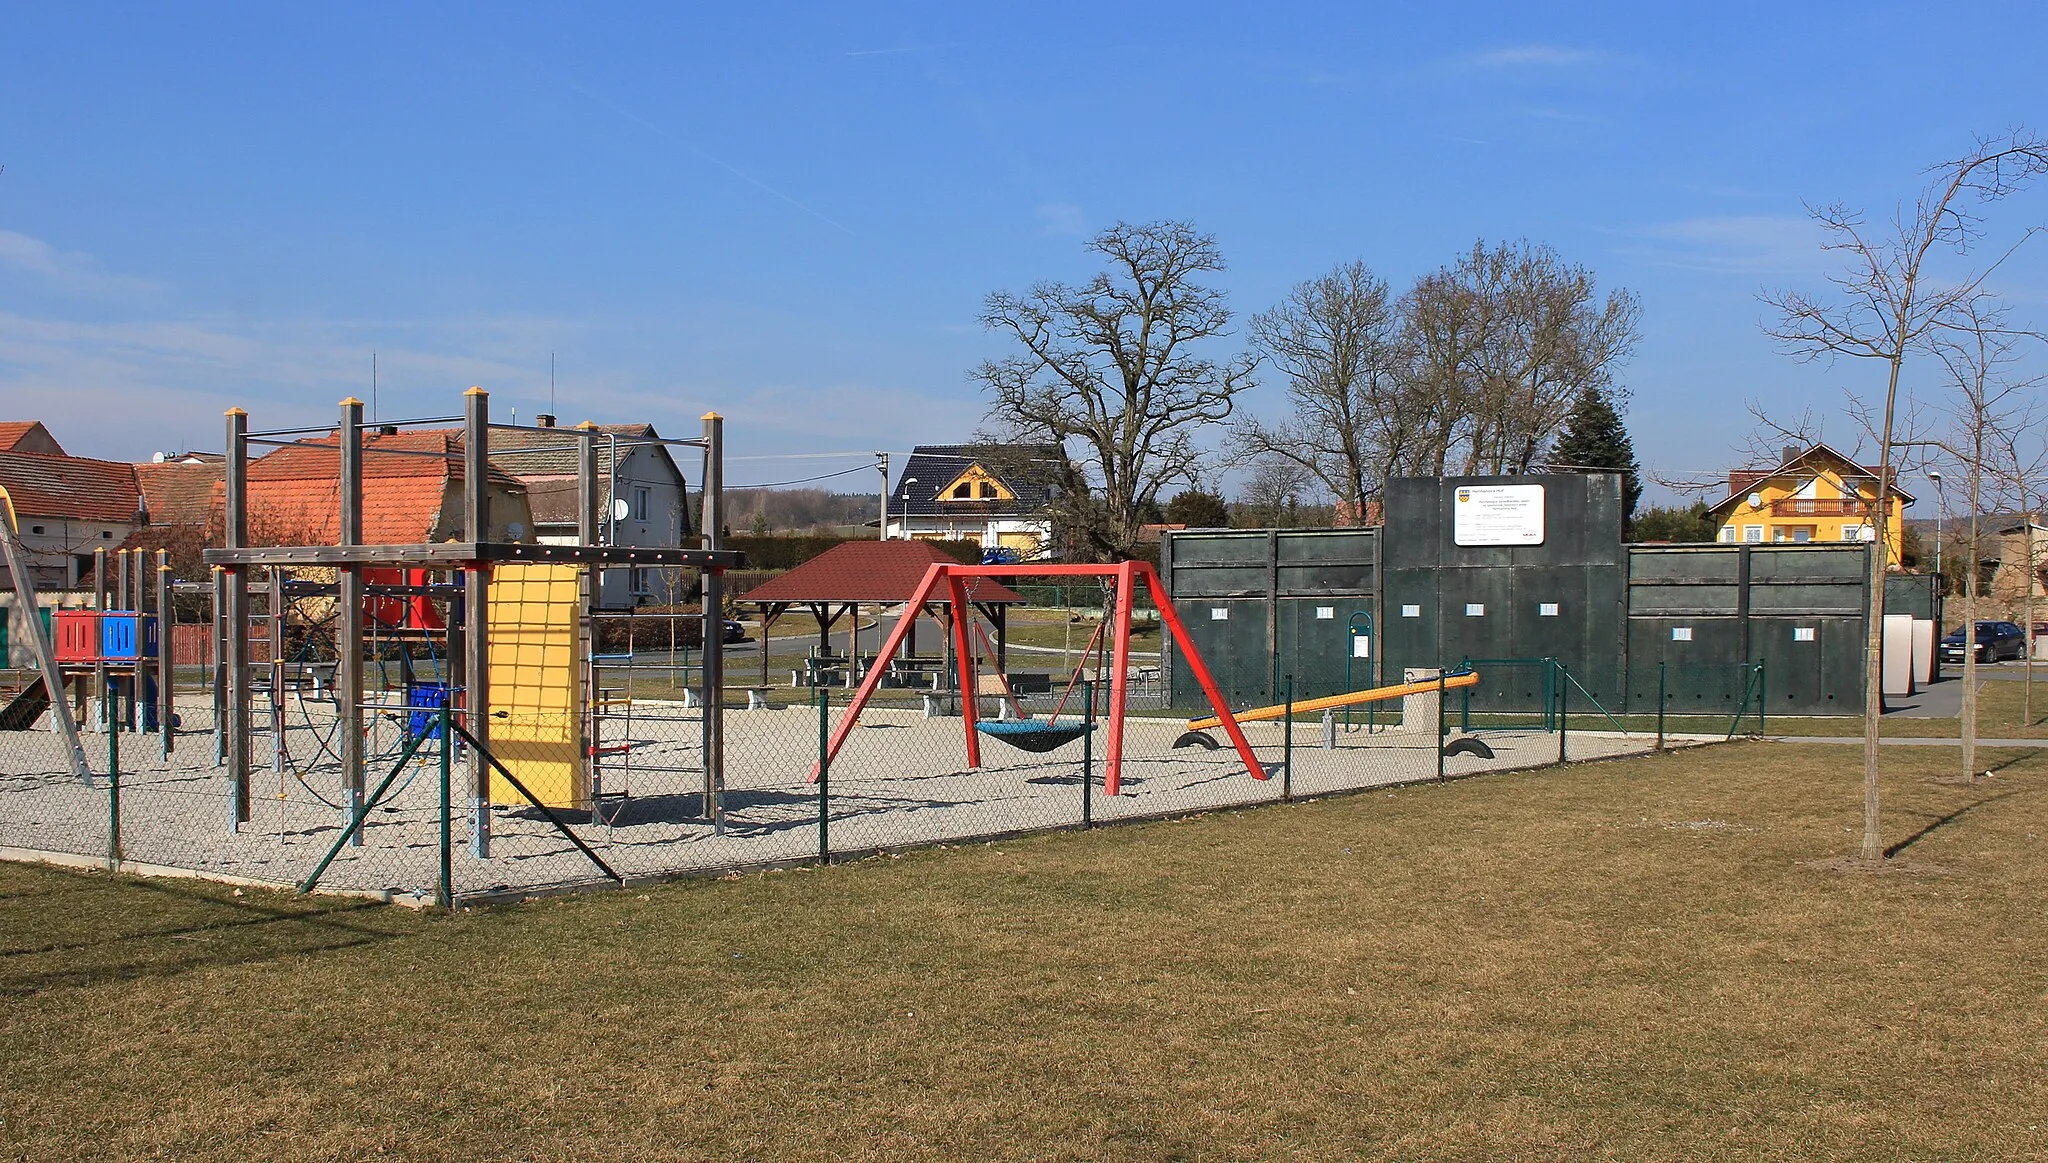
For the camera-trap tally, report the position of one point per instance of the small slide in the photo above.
(1449, 682)
(25, 708)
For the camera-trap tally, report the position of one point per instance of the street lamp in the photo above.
(1940, 519)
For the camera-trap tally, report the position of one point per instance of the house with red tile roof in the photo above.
(28, 436)
(65, 507)
(413, 491)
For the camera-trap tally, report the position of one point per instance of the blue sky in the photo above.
(790, 214)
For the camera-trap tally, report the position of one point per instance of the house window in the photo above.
(988, 490)
(35, 529)
(1728, 533)
(1754, 534)
(964, 492)
(643, 580)
(1802, 534)
(640, 505)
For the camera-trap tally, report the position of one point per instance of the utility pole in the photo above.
(882, 462)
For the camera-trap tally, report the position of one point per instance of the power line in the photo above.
(804, 480)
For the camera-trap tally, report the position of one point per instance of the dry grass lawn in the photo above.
(1649, 959)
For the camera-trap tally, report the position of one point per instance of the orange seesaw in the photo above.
(1449, 682)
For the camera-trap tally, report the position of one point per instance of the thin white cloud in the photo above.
(1547, 56)
(122, 389)
(1750, 244)
(67, 271)
(1062, 218)
(1544, 113)
(890, 52)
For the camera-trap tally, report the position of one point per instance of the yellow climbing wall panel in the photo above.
(537, 673)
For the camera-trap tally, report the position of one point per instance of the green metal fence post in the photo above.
(1088, 756)
(1439, 740)
(113, 784)
(1287, 746)
(1660, 706)
(1465, 700)
(1761, 727)
(824, 775)
(445, 889)
(1564, 694)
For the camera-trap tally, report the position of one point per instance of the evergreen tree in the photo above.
(1595, 440)
(1671, 524)
(1198, 510)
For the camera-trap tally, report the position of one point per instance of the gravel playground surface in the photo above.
(900, 781)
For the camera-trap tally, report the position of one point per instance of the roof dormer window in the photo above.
(976, 484)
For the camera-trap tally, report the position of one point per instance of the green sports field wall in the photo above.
(1613, 613)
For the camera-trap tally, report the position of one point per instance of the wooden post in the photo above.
(476, 526)
(166, 662)
(348, 670)
(46, 658)
(235, 535)
(589, 590)
(217, 665)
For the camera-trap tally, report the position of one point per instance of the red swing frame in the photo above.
(1127, 575)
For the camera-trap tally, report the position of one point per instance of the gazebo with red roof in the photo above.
(879, 573)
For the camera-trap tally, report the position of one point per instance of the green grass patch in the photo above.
(1648, 959)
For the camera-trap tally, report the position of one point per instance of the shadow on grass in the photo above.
(1943, 821)
(252, 931)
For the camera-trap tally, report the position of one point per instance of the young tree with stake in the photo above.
(1884, 306)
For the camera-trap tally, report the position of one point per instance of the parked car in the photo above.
(1995, 641)
(734, 631)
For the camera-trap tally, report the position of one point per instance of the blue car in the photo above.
(1995, 641)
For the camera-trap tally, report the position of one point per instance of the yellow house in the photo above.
(1815, 494)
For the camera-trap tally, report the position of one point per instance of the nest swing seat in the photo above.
(1036, 735)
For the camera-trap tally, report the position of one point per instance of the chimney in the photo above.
(544, 420)
(1792, 452)
(387, 430)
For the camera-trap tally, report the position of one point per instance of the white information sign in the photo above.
(1802, 634)
(1219, 613)
(1411, 611)
(1681, 633)
(1546, 609)
(1361, 646)
(1497, 515)
(1326, 611)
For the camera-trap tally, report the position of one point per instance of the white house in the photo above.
(631, 467)
(1000, 496)
(67, 506)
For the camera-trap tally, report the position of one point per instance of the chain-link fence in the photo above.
(635, 805)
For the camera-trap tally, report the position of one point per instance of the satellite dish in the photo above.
(515, 531)
(620, 508)
(1756, 500)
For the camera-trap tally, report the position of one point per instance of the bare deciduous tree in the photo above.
(1274, 494)
(1502, 343)
(1974, 350)
(1115, 367)
(1885, 306)
(1337, 339)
